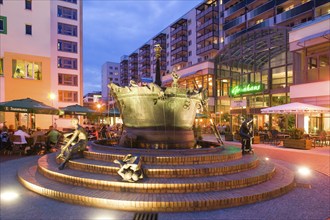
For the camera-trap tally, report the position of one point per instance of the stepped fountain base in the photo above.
(158, 138)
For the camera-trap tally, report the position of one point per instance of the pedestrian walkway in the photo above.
(301, 203)
(317, 158)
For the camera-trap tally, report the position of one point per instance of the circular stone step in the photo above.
(49, 168)
(281, 183)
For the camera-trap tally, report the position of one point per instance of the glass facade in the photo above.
(253, 72)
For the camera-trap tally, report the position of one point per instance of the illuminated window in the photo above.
(289, 8)
(67, 79)
(27, 70)
(67, 96)
(259, 21)
(1, 66)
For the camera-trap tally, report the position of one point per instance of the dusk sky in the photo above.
(113, 28)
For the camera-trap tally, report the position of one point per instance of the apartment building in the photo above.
(223, 43)
(41, 54)
(110, 74)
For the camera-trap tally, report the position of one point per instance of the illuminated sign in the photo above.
(246, 88)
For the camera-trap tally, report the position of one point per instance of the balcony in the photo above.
(233, 23)
(207, 48)
(233, 9)
(261, 9)
(208, 23)
(179, 39)
(294, 12)
(207, 11)
(180, 49)
(207, 36)
(179, 60)
(266, 23)
(179, 29)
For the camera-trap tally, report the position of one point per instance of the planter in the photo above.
(298, 143)
(229, 137)
(256, 140)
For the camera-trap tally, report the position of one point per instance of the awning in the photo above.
(27, 106)
(295, 108)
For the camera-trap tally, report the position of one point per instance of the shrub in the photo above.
(296, 133)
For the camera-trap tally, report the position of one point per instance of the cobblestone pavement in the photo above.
(301, 203)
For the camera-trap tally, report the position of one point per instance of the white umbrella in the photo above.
(295, 108)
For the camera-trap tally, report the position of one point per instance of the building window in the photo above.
(67, 29)
(67, 96)
(71, 1)
(67, 46)
(1, 2)
(189, 53)
(1, 66)
(3, 25)
(28, 29)
(67, 79)
(67, 63)
(64, 12)
(189, 42)
(28, 4)
(27, 70)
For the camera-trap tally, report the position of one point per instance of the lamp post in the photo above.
(157, 50)
(52, 97)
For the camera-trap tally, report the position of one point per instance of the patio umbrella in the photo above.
(295, 108)
(77, 110)
(28, 106)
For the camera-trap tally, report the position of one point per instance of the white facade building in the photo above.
(110, 74)
(41, 54)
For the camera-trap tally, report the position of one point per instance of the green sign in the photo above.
(246, 88)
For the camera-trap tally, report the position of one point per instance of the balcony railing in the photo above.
(266, 23)
(207, 11)
(261, 9)
(233, 9)
(207, 36)
(179, 39)
(181, 28)
(207, 48)
(179, 60)
(294, 12)
(177, 50)
(208, 23)
(235, 22)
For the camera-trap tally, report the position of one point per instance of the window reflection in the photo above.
(26, 70)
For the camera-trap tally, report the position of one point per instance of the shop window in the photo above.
(324, 60)
(67, 79)
(67, 96)
(26, 70)
(3, 25)
(312, 63)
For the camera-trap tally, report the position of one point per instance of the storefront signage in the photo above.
(238, 103)
(246, 88)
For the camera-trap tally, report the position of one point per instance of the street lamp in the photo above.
(52, 97)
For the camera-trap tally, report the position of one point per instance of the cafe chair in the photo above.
(17, 144)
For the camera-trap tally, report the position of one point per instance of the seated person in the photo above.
(53, 136)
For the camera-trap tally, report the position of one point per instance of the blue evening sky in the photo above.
(113, 28)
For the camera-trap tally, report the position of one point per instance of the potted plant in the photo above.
(296, 140)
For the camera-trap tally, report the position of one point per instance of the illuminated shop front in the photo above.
(253, 72)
